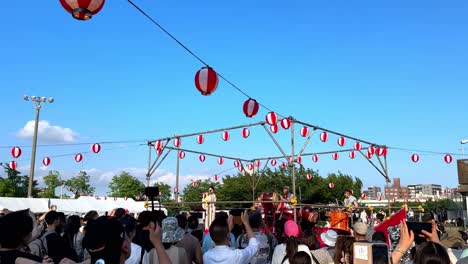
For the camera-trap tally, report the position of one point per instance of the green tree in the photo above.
(79, 185)
(51, 181)
(165, 190)
(15, 184)
(125, 185)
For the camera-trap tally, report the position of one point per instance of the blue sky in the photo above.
(392, 73)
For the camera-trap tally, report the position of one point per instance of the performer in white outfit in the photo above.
(208, 203)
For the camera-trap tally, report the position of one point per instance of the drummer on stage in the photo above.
(285, 200)
(350, 200)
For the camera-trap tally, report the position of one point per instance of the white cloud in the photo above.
(47, 132)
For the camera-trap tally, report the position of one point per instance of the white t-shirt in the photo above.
(280, 253)
(227, 255)
(350, 200)
(136, 255)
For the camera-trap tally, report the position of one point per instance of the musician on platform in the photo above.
(285, 200)
(350, 200)
(208, 203)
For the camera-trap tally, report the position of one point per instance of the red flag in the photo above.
(393, 221)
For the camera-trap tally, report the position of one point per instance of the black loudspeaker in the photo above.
(152, 192)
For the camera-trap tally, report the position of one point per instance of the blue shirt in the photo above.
(208, 243)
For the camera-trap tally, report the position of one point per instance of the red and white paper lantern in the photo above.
(78, 157)
(309, 176)
(200, 139)
(371, 150)
(241, 168)
(16, 152)
(274, 128)
(216, 177)
(96, 148)
(82, 10)
(245, 132)
(251, 107)
(381, 151)
(194, 184)
(271, 118)
(46, 161)
(283, 165)
(357, 146)
(13, 165)
(202, 158)
(299, 159)
(352, 154)
(335, 156)
(250, 166)
(324, 136)
(206, 80)
(237, 163)
(158, 144)
(138, 197)
(258, 163)
(415, 157)
(273, 162)
(181, 154)
(448, 158)
(363, 196)
(159, 152)
(220, 160)
(304, 131)
(285, 123)
(315, 158)
(331, 185)
(225, 135)
(341, 141)
(369, 155)
(177, 142)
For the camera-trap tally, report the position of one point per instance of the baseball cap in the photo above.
(291, 228)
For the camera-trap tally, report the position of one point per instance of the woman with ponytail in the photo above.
(285, 252)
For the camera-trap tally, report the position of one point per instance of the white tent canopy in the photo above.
(81, 205)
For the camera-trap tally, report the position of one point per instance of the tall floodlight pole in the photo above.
(37, 101)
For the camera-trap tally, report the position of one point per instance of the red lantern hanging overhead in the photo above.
(352, 154)
(273, 162)
(314, 158)
(225, 135)
(341, 141)
(285, 123)
(241, 168)
(194, 184)
(331, 185)
(309, 176)
(202, 158)
(46, 161)
(357, 146)
(371, 150)
(158, 144)
(283, 165)
(216, 177)
(363, 196)
(159, 152)
(96, 148)
(200, 139)
(335, 156)
(304, 131)
(237, 163)
(415, 157)
(82, 10)
(250, 166)
(324, 136)
(448, 158)
(369, 155)
(13, 165)
(258, 163)
(177, 142)
(299, 159)
(274, 128)
(78, 157)
(245, 132)
(206, 80)
(381, 151)
(271, 118)
(16, 152)
(251, 107)
(181, 154)
(220, 160)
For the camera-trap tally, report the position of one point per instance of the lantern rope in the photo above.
(195, 55)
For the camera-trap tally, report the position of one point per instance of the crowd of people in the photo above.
(152, 237)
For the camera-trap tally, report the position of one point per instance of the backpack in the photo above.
(38, 246)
